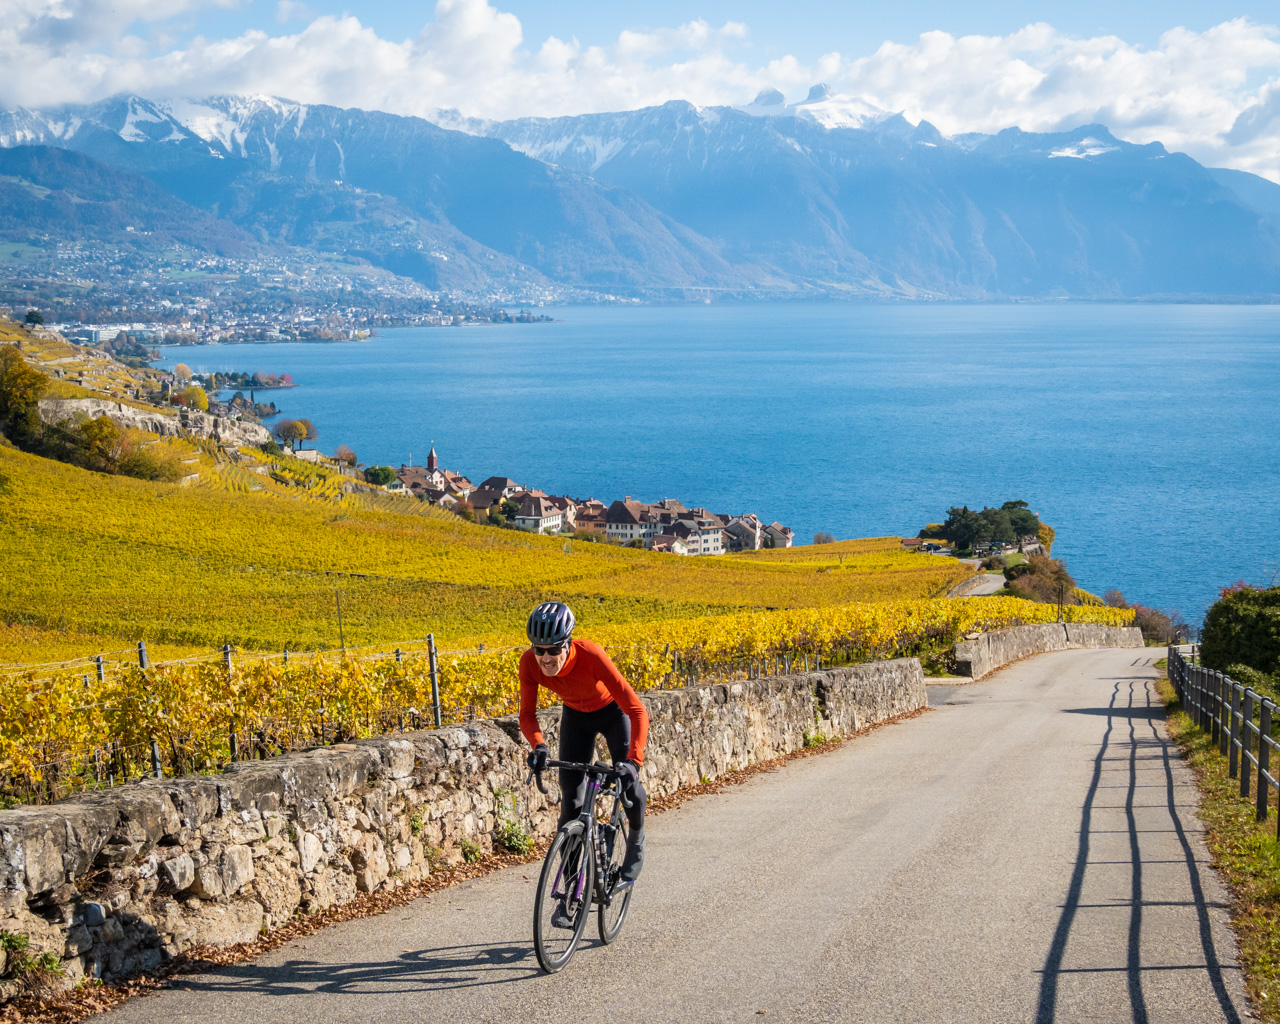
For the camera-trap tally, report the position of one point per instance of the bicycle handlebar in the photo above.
(598, 768)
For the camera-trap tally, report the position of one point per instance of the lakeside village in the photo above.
(667, 526)
(133, 341)
(178, 296)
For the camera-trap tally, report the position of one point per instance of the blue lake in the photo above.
(1146, 435)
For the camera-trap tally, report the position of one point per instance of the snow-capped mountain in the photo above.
(835, 192)
(829, 196)
(822, 106)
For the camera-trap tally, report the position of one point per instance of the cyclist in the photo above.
(598, 701)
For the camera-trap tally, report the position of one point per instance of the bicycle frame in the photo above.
(595, 773)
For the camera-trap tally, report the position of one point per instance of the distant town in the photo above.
(180, 297)
(667, 525)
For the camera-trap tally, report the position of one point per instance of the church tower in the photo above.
(431, 460)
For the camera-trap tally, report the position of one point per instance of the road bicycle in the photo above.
(582, 868)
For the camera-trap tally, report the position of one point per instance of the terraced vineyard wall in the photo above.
(984, 654)
(121, 879)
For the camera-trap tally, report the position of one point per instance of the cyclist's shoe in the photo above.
(633, 860)
(561, 918)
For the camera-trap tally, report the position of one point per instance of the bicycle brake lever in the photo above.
(538, 777)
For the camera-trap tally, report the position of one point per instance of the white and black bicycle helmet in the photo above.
(550, 624)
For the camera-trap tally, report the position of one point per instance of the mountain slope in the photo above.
(48, 191)
(827, 197)
(878, 202)
(1253, 191)
(217, 152)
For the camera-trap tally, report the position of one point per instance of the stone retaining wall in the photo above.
(190, 421)
(990, 651)
(121, 879)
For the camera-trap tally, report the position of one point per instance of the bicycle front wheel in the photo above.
(613, 906)
(563, 901)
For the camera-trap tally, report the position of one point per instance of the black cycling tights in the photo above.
(578, 732)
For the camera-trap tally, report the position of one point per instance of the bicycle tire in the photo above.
(609, 918)
(570, 866)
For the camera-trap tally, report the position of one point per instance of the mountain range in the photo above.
(826, 198)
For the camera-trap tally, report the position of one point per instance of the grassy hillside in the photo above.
(258, 552)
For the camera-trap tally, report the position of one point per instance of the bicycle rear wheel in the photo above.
(613, 908)
(566, 884)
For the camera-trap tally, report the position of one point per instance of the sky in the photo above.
(1202, 78)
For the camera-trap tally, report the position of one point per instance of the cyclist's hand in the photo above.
(628, 773)
(538, 757)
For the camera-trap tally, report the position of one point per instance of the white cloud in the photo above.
(1187, 92)
(291, 10)
(1213, 94)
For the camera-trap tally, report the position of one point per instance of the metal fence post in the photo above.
(1264, 759)
(1213, 721)
(226, 656)
(155, 758)
(1224, 708)
(435, 677)
(1233, 734)
(102, 669)
(143, 662)
(1246, 742)
(1202, 698)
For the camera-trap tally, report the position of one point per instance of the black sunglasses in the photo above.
(548, 651)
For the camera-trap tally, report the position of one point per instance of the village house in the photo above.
(628, 520)
(781, 536)
(744, 533)
(431, 479)
(591, 515)
(485, 501)
(538, 514)
(502, 484)
(669, 544)
(701, 532)
(568, 511)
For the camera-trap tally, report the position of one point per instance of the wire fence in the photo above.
(126, 720)
(92, 722)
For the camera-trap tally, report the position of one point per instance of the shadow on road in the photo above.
(1138, 707)
(428, 970)
(1118, 713)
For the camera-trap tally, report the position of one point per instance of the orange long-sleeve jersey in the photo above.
(589, 681)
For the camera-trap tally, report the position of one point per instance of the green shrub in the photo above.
(1243, 628)
(471, 851)
(1261, 682)
(510, 833)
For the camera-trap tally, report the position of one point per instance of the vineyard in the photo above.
(262, 561)
(64, 728)
(261, 555)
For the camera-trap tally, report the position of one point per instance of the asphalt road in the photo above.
(978, 586)
(1028, 851)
